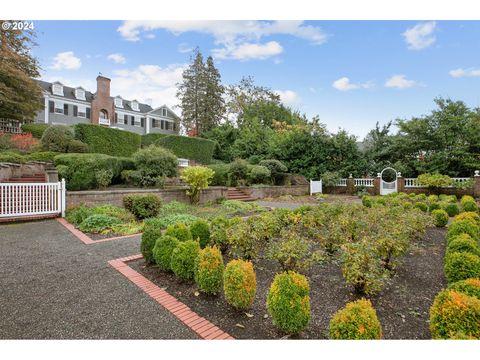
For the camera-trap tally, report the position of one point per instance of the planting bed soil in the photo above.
(402, 306)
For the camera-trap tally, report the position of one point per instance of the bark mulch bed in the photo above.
(402, 307)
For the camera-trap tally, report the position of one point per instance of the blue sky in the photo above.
(351, 73)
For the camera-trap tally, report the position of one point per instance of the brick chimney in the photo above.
(102, 101)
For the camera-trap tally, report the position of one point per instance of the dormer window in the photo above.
(119, 102)
(80, 94)
(164, 112)
(134, 105)
(57, 89)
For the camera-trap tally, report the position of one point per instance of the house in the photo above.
(67, 106)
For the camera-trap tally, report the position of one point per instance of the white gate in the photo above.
(387, 187)
(315, 187)
(21, 200)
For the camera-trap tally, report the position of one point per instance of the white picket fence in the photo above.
(364, 182)
(32, 199)
(413, 182)
(315, 187)
(342, 182)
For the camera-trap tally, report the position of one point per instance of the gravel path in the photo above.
(52, 286)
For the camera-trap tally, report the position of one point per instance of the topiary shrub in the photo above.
(461, 266)
(470, 206)
(183, 259)
(97, 223)
(209, 270)
(464, 243)
(151, 232)
(258, 174)
(357, 321)
(237, 172)
(201, 231)
(433, 206)
(463, 227)
(76, 146)
(455, 315)
(468, 215)
(421, 205)
(440, 217)
(239, 284)
(179, 231)
(220, 175)
(451, 209)
(470, 287)
(142, 206)
(104, 177)
(278, 170)
(420, 197)
(288, 302)
(57, 138)
(162, 251)
(466, 198)
(154, 163)
(432, 198)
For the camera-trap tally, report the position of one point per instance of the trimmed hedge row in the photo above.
(197, 149)
(108, 141)
(150, 139)
(35, 129)
(13, 157)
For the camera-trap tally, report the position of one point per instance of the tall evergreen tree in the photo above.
(20, 95)
(191, 92)
(213, 104)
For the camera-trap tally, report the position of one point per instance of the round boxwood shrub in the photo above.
(288, 302)
(77, 146)
(463, 227)
(421, 205)
(421, 197)
(469, 206)
(239, 284)
(451, 209)
(151, 232)
(209, 270)
(277, 169)
(466, 198)
(201, 231)
(461, 266)
(433, 206)
(464, 243)
(98, 222)
(258, 174)
(367, 201)
(470, 287)
(357, 321)
(162, 251)
(440, 217)
(179, 231)
(57, 138)
(468, 215)
(183, 259)
(142, 206)
(455, 315)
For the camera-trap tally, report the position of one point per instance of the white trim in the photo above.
(80, 93)
(47, 109)
(57, 89)
(147, 125)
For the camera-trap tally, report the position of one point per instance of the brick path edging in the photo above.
(204, 328)
(85, 238)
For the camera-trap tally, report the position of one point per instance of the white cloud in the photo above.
(148, 82)
(400, 82)
(344, 84)
(471, 72)
(288, 97)
(66, 60)
(239, 39)
(420, 36)
(117, 58)
(248, 51)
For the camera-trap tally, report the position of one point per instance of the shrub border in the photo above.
(87, 240)
(201, 326)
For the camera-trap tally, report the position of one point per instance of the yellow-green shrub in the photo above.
(357, 321)
(151, 232)
(455, 315)
(463, 243)
(179, 231)
(201, 231)
(461, 266)
(470, 287)
(183, 259)
(468, 215)
(440, 217)
(239, 284)
(288, 302)
(451, 209)
(162, 251)
(463, 227)
(470, 206)
(209, 270)
(466, 198)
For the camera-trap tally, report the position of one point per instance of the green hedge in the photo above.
(149, 139)
(191, 148)
(79, 170)
(35, 129)
(108, 141)
(13, 157)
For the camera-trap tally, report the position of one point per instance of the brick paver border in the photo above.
(85, 238)
(204, 328)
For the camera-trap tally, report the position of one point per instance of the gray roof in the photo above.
(69, 93)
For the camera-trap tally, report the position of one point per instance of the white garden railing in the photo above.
(413, 182)
(31, 199)
(342, 182)
(364, 182)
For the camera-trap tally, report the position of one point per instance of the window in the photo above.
(134, 105)
(51, 106)
(65, 109)
(142, 122)
(82, 111)
(125, 119)
(58, 107)
(162, 124)
(132, 120)
(57, 89)
(138, 121)
(80, 94)
(155, 123)
(75, 110)
(88, 113)
(164, 112)
(119, 102)
(103, 118)
(116, 118)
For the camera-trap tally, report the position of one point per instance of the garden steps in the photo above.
(238, 194)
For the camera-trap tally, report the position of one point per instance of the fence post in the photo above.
(351, 185)
(64, 196)
(476, 185)
(376, 184)
(400, 182)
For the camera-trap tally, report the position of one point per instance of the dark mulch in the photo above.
(402, 307)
